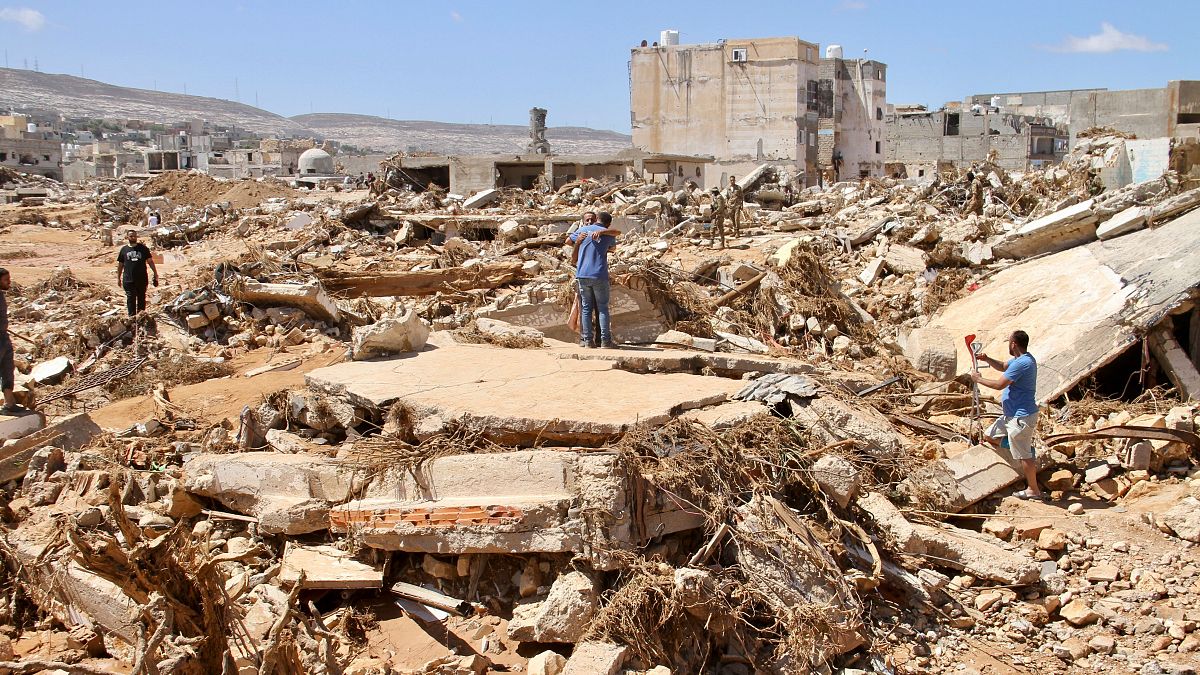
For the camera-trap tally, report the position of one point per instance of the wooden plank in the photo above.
(422, 282)
(1175, 363)
(433, 599)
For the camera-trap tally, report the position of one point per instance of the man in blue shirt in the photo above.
(1020, 408)
(592, 244)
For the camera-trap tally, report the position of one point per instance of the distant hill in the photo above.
(378, 133)
(76, 96)
(79, 97)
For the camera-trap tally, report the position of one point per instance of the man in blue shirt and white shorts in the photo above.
(1020, 410)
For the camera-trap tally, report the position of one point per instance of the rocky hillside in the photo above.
(76, 96)
(378, 133)
(26, 90)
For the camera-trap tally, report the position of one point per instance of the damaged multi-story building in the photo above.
(30, 146)
(851, 132)
(924, 142)
(744, 102)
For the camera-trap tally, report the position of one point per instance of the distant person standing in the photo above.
(7, 372)
(132, 260)
(153, 219)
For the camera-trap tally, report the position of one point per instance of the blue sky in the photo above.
(483, 62)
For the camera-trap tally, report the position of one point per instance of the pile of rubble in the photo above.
(780, 471)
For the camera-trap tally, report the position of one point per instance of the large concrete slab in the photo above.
(1082, 307)
(518, 396)
(548, 501)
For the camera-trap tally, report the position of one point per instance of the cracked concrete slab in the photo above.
(520, 397)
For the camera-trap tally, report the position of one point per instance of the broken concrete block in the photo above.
(1138, 455)
(19, 426)
(212, 311)
(1183, 519)
(562, 617)
(546, 663)
(503, 330)
(841, 344)
(838, 478)
(1078, 613)
(513, 502)
(972, 552)
(310, 297)
(482, 198)
(289, 494)
(52, 371)
(833, 420)
(596, 658)
(957, 481)
(1060, 480)
(1057, 231)
(286, 441)
(295, 337)
(511, 232)
(1129, 220)
(196, 320)
(1097, 470)
(933, 351)
(1001, 529)
(389, 336)
(69, 433)
(327, 567)
(871, 272)
(901, 259)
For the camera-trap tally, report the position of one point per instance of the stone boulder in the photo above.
(1184, 519)
(390, 335)
(503, 330)
(933, 351)
(562, 617)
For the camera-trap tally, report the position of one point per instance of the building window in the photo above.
(951, 124)
(877, 146)
(879, 114)
(3, 156)
(813, 93)
(920, 173)
(46, 158)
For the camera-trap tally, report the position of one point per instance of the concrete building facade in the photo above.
(851, 131)
(29, 147)
(469, 174)
(923, 142)
(743, 102)
(1170, 112)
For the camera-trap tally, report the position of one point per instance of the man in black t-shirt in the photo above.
(131, 273)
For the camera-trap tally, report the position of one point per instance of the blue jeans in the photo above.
(593, 297)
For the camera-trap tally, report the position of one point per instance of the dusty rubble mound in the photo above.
(191, 188)
(354, 432)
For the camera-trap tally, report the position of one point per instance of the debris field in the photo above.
(353, 433)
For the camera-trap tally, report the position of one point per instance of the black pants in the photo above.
(7, 381)
(135, 296)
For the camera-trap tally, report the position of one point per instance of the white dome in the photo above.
(317, 162)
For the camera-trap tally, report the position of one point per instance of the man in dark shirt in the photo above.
(7, 373)
(131, 273)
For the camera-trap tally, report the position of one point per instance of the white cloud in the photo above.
(455, 16)
(30, 19)
(1108, 40)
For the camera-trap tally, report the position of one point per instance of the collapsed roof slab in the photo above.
(520, 396)
(1084, 306)
(527, 501)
